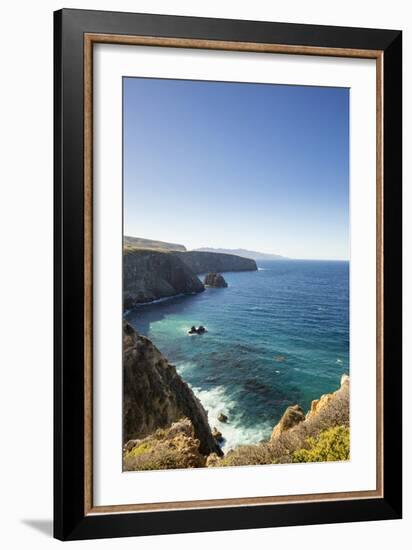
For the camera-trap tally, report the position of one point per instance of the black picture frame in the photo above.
(70, 520)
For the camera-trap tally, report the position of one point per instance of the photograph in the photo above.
(236, 264)
(227, 273)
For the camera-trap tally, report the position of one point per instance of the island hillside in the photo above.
(138, 242)
(252, 254)
(204, 262)
(152, 273)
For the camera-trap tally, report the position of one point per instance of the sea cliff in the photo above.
(155, 396)
(203, 262)
(165, 425)
(150, 274)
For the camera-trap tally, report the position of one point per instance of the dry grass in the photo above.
(172, 448)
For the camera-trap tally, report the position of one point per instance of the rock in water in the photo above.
(200, 330)
(293, 432)
(217, 435)
(155, 396)
(222, 417)
(215, 280)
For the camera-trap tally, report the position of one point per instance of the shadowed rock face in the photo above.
(215, 280)
(155, 396)
(150, 274)
(203, 262)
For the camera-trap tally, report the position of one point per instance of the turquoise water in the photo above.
(276, 337)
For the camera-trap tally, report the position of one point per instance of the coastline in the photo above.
(186, 437)
(239, 368)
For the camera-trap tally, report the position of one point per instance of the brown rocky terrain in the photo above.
(173, 447)
(155, 396)
(165, 425)
(295, 432)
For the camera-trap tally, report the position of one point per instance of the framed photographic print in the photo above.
(227, 274)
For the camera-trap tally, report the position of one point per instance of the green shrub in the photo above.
(331, 445)
(139, 450)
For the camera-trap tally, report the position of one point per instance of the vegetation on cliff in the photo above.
(138, 242)
(321, 434)
(331, 445)
(173, 447)
(165, 426)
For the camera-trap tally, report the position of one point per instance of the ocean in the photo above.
(275, 337)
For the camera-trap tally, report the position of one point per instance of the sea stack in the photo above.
(215, 280)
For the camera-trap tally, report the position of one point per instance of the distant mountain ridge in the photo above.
(251, 254)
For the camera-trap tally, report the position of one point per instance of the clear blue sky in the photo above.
(232, 165)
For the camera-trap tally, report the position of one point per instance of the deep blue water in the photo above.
(275, 337)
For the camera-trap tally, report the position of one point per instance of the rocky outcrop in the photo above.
(215, 280)
(203, 262)
(327, 400)
(326, 422)
(152, 274)
(217, 435)
(155, 396)
(173, 447)
(291, 417)
(197, 330)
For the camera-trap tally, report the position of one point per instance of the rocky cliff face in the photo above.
(155, 396)
(152, 274)
(296, 434)
(203, 262)
(215, 280)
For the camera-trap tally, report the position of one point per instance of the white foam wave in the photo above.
(158, 300)
(216, 401)
(184, 368)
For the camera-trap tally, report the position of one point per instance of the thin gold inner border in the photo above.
(89, 40)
